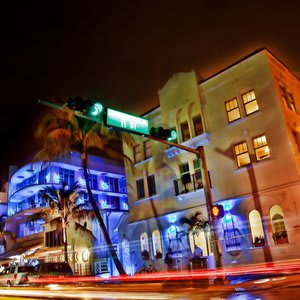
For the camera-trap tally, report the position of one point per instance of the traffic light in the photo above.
(164, 134)
(91, 109)
(218, 211)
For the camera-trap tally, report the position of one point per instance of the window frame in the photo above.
(135, 153)
(239, 154)
(292, 102)
(256, 227)
(184, 174)
(156, 242)
(296, 139)
(144, 241)
(288, 98)
(151, 180)
(195, 119)
(264, 145)
(252, 100)
(147, 147)
(139, 194)
(183, 137)
(230, 110)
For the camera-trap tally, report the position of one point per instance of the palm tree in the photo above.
(196, 223)
(63, 131)
(62, 209)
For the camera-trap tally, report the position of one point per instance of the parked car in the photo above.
(48, 270)
(15, 275)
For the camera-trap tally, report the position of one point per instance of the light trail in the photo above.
(83, 294)
(285, 267)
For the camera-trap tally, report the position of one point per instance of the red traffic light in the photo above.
(218, 211)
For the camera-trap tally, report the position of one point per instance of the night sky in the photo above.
(123, 52)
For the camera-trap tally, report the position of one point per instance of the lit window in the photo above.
(242, 154)
(67, 176)
(280, 235)
(93, 181)
(151, 185)
(157, 247)
(144, 242)
(261, 148)
(140, 188)
(198, 127)
(232, 109)
(137, 150)
(148, 149)
(200, 239)
(257, 232)
(250, 103)
(185, 132)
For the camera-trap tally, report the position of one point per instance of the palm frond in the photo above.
(185, 220)
(81, 214)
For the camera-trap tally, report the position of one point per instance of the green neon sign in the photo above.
(118, 119)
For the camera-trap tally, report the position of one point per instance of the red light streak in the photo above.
(277, 268)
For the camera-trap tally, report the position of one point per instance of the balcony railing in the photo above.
(188, 183)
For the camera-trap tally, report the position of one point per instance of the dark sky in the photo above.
(123, 52)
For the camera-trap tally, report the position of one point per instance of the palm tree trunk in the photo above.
(100, 219)
(65, 243)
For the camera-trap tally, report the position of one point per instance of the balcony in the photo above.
(188, 183)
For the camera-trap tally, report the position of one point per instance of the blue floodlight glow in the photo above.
(227, 207)
(47, 178)
(228, 218)
(172, 228)
(172, 219)
(81, 181)
(57, 178)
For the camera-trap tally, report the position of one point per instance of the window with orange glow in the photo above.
(198, 127)
(242, 154)
(232, 110)
(156, 240)
(288, 99)
(147, 149)
(185, 132)
(296, 139)
(257, 231)
(280, 234)
(261, 147)
(250, 102)
(137, 151)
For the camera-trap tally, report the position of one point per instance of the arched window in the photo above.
(144, 242)
(126, 256)
(280, 235)
(201, 239)
(256, 227)
(156, 240)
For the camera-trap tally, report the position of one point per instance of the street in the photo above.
(281, 287)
